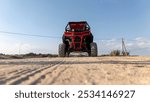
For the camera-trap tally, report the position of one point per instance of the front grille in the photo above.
(77, 39)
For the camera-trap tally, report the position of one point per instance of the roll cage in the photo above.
(77, 27)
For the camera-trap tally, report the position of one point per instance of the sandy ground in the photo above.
(76, 71)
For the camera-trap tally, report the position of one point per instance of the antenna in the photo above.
(124, 50)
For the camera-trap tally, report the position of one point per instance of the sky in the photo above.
(110, 20)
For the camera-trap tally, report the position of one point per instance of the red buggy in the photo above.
(77, 38)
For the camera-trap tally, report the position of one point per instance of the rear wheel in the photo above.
(93, 52)
(62, 51)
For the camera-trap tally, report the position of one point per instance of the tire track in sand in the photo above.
(26, 76)
(38, 77)
(52, 76)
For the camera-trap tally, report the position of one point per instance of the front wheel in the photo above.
(61, 50)
(93, 51)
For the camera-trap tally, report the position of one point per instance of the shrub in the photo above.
(125, 53)
(115, 53)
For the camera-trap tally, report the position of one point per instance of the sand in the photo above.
(76, 71)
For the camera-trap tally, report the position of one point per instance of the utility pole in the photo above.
(20, 48)
(124, 50)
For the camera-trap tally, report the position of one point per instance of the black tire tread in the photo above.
(62, 52)
(94, 51)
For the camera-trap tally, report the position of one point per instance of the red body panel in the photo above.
(73, 35)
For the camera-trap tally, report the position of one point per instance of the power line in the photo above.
(36, 35)
(24, 34)
(56, 37)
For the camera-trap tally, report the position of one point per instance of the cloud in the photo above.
(16, 48)
(27, 48)
(23, 48)
(142, 42)
(137, 46)
(140, 46)
(12, 45)
(106, 46)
